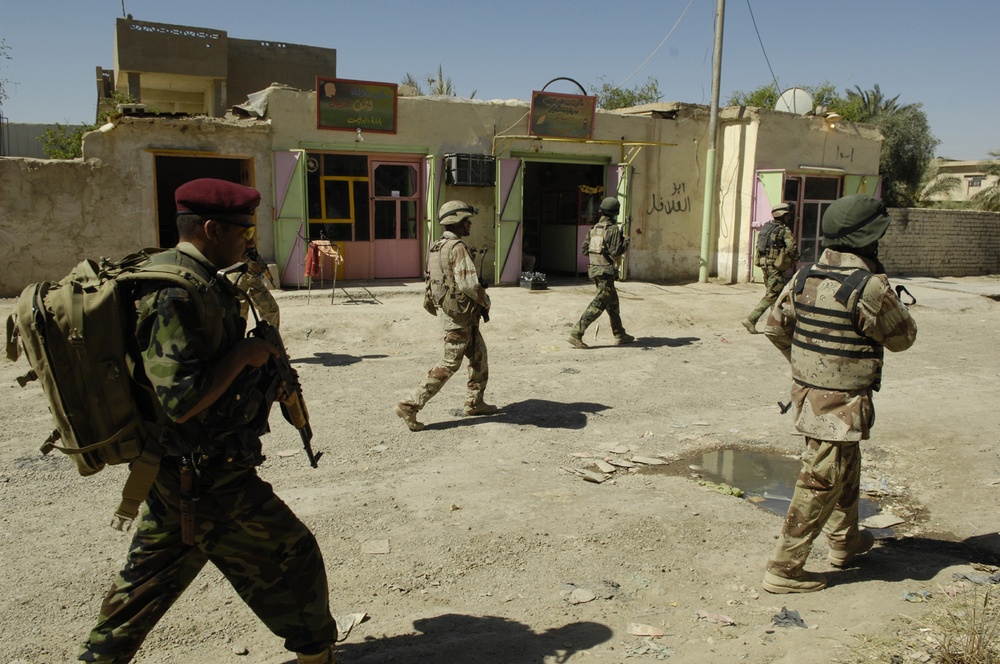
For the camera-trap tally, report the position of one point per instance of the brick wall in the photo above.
(924, 242)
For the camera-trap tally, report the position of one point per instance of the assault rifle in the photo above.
(293, 406)
(482, 281)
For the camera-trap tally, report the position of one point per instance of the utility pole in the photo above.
(708, 206)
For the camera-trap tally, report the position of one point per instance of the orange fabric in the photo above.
(314, 255)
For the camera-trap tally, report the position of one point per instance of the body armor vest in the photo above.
(596, 251)
(828, 349)
(444, 291)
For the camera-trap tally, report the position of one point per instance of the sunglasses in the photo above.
(248, 231)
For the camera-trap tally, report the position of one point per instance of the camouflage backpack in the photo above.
(78, 336)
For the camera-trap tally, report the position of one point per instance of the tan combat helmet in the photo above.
(454, 212)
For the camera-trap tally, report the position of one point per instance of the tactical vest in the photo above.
(770, 244)
(444, 291)
(828, 349)
(595, 250)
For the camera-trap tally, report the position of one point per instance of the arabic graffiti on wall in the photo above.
(678, 201)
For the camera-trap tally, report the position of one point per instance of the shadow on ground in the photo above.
(919, 559)
(452, 638)
(534, 412)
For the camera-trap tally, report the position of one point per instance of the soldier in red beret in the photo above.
(212, 398)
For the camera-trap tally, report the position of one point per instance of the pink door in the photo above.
(396, 218)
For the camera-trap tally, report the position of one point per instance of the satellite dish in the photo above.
(795, 100)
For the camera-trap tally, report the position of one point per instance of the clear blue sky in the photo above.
(926, 51)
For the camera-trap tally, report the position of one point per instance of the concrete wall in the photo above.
(141, 46)
(755, 139)
(941, 243)
(254, 65)
(55, 213)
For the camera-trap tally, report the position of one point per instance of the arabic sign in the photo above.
(351, 105)
(561, 116)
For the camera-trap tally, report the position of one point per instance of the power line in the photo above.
(690, 2)
(777, 90)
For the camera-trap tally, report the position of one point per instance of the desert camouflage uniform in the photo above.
(252, 283)
(774, 277)
(459, 300)
(603, 271)
(832, 394)
(270, 557)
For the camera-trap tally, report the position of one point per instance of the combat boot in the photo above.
(750, 326)
(576, 342)
(805, 582)
(481, 408)
(408, 414)
(623, 338)
(861, 544)
(325, 657)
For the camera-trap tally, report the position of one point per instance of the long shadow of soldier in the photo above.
(535, 412)
(918, 559)
(335, 359)
(660, 342)
(454, 638)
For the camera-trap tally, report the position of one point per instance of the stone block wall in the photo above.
(925, 242)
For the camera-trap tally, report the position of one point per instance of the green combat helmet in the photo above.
(454, 212)
(854, 221)
(610, 207)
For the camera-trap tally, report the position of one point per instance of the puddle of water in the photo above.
(766, 478)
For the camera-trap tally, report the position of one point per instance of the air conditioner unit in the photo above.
(472, 170)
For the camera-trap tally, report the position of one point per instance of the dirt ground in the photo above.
(474, 540)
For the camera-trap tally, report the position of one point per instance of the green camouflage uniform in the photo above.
(835, 371)
(270, 557)
(458, 299)
(774, 276)
(603, 272)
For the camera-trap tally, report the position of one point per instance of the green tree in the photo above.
(438, 84)
(907, 150)
(989, 198)
(610, 96)
(63, 142)
(766, 96)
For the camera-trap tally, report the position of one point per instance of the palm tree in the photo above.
(873, 103)
(436, 85)
(989, 198)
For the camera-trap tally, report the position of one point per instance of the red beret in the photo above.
(207, 196)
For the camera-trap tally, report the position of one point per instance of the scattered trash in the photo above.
(715, 617)
(375, 546)
(287, 453)
(621, 449)
(788, 618)
(588, 475)
(605, 467)
(649, 461)
(648, 434)
(883, 520)
(348, 622)
(621, 463)
(648, 648)
(921, 596)
(578, 595)
(241, 650)
(980, 579)
(722, 488)
(640, 629)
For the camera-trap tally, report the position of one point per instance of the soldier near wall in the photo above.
(777, 252)
(457, 296)
(604, 245)
(833, 321)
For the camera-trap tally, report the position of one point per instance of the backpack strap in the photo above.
(141, 476)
